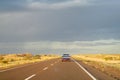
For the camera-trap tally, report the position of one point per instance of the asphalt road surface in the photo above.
(54, 70)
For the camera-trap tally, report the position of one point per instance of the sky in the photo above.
(60, 26)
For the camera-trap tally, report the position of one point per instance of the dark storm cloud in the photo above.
(60, 26)
(89, 22)
(12, 5)
(19, 5)
(16, 5)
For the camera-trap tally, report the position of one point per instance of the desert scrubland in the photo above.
(11, 60)
(107, 63)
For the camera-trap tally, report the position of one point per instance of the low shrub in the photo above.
(28, 56)
(108, 58)
(5, 61)
(1, 57)
(37, 57)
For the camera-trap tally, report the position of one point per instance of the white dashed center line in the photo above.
(52, 64)
(45, 68)
(30, 77)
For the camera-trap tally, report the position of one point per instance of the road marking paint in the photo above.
(14, 68)
(85, 70)
(30, 77)
(56, 62)
(45, 68)
(19, 67)
(52, 64)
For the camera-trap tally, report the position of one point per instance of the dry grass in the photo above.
(106, 59)
(107, 63)
(11, 60)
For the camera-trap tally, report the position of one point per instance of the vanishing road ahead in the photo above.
(54, 70)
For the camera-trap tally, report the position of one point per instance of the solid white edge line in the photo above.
(14, 68)
(30, 77)
(84, 70)
(18, 67)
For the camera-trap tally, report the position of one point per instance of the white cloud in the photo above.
(107, 46)
(58, 5)
(113, 46)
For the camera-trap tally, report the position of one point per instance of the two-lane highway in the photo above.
(53, 70)
(62, 71)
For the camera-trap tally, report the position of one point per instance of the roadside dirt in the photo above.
(111, 71)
